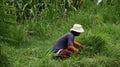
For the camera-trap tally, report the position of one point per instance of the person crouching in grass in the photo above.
(65, 45)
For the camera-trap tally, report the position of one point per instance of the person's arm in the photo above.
(78, 44)
(71, 43)
(73, 48)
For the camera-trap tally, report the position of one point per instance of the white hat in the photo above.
(77, 28)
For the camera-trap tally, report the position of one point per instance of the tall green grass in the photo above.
(30, 44)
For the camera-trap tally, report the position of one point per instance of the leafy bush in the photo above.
(10, 31)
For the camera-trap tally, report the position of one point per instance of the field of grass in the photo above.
(102, 41)
(35, 39)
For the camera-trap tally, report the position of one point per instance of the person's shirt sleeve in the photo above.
(70, 40)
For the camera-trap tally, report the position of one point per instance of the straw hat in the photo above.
(77, 28)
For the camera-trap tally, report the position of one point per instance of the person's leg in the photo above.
(65, 53)
(62, 53)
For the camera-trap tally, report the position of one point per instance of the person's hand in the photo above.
(76, 50)
(83, 46)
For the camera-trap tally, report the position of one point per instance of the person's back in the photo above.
(64, 42)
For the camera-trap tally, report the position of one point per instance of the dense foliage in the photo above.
(29, 28)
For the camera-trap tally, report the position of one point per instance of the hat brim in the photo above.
(79, 31)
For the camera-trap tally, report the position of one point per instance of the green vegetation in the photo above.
(29, 29)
